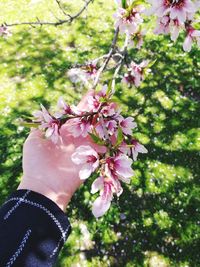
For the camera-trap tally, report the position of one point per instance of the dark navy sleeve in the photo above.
(33, 230)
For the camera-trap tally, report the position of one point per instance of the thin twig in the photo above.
(57, 23)
(120, 64)
(61, 8)
(109, 56)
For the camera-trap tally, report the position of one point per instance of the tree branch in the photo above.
(56, 23)
(109, 56)
(121, 62)
(61, 8)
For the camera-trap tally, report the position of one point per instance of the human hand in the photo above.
(48, 168)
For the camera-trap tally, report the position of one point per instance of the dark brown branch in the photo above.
(109, 56)
(56, 23)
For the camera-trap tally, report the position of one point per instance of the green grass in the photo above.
(156, 221)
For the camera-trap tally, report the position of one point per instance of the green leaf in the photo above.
(96, 139)
(120, 137)
(28, 124)
(124, 4)
(135, 3)
(151, 63)
(109, 89)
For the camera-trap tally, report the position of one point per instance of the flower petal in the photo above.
(97, 185)
(85, 171)
(100, 207)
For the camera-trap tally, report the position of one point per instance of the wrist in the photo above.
(60, 198)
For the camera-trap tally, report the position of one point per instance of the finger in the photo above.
(84, 101)
(35, 133)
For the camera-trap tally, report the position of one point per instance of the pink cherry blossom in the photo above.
(88, 157)
(77, 75)
(90, 70)
(158, 7)
(192, 35)
(136, 73)
(180, 9)
(130, 79)
(101, 129)
(124, 149)
(94, 103)
(107, 188)
(127, 124)
(119, 166)
(64, 108)
(163, 25)
(48, 122)
(80, 127)
(109, 110)
(177, 9)
(128, 20)
(103, 91)
(111, 126)
(175, 28)
(137, 148)
(106, 128)
(136, 39)
(83, 74)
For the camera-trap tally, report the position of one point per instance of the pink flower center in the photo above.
(134, 142)
(91, 159)
(130, 78)
(111, 164)
(174, 3)
(96, 103)
(68, 110)
(55, 123)
(130, 16)
(90, 69)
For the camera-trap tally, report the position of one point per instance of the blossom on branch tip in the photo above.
(64, 108)
(136, 39)
(128, 20)
(88, 157)
(49, 123)
(90, 70)
(136, 73)
(83, 74)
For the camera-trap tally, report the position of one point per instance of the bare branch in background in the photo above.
(61, 7)
(56, 23)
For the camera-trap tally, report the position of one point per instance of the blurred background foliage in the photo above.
(156, 221)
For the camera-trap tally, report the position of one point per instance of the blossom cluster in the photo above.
(174, 16)
(129, 20)
(106, 126)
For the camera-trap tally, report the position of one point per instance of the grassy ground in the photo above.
(156, 221)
